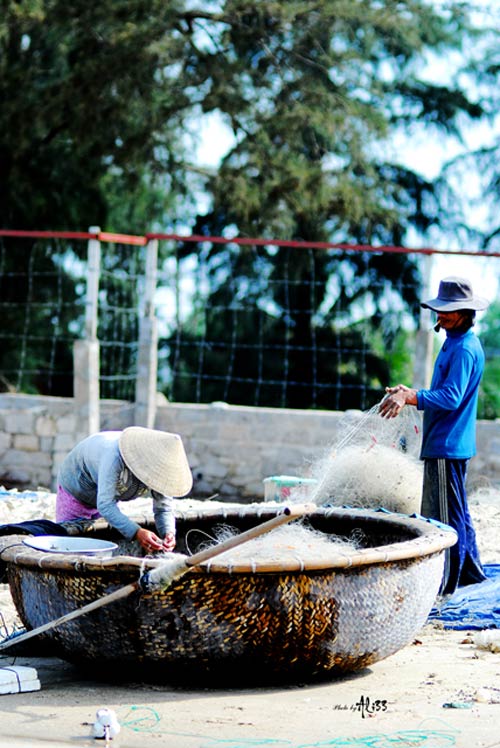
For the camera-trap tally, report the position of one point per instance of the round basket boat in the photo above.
(302, 619)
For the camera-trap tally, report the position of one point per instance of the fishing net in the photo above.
(281, 545)
(374, 463)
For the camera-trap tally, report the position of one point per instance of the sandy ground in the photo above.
(443, 689)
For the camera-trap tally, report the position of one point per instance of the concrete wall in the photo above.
(231, 449)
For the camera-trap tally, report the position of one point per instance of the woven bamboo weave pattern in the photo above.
(224, 624)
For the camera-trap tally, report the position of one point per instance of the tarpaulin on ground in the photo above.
(476, 606)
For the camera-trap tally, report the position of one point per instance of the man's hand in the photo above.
(395, 400)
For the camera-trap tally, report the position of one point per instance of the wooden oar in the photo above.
(165, 574)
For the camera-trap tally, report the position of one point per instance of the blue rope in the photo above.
(148, 720)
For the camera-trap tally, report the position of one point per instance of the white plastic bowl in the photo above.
(63, 544)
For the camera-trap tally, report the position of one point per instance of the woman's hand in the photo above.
(149, 540)
(169, 541)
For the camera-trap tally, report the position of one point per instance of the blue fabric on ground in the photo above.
(476, 606)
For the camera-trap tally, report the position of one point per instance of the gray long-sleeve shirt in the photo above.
(94, 473)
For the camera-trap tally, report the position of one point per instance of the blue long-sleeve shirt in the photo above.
(450, 405)
(94, 473)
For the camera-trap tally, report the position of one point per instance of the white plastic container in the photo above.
(280, 487)
(63, 544)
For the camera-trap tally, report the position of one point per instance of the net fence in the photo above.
(247, 322)
(280, 326)
(41, 309)
(121, 285)
(43, 298)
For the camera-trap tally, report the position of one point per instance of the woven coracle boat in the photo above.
(300, 619)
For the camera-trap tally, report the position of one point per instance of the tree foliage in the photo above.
(91, 101)
(313, 93)
(98, 100)
(489, 395)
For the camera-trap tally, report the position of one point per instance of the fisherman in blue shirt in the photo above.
(449, 425)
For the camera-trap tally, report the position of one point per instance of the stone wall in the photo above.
(231, 449)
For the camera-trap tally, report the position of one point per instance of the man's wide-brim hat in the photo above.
(158, 459)
(455, 294)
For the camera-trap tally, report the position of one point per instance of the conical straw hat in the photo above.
(158, 459)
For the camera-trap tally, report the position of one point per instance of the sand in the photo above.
(443, 689)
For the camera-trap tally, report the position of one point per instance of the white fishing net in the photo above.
(374, 463)
(286, 543)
